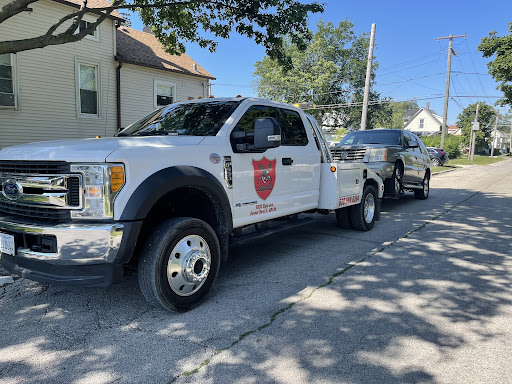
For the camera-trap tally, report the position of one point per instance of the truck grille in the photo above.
(348, 154)
(34, 167)
(47, 190)
(47, 214)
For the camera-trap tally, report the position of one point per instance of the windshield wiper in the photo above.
(157, 133)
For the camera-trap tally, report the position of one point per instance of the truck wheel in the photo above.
(343, 218)
(422, 194)
(363, 214)
(179, 264)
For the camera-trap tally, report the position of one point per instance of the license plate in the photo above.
(7, 244)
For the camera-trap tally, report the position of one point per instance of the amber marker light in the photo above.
(333, 169)
(116, 178)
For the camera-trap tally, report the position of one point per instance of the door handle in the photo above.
(287, 161)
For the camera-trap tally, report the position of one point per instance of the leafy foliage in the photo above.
(453, 144)
(501, 67)
(486, 118)
(330, 71)
(393, 116)
(180, 21)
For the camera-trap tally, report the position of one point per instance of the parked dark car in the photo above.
(438, 156)
(399, 157)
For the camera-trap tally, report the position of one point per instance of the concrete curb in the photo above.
(448, 170)
(4, 280)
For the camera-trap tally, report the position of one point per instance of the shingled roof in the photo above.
(141, 48)
(92, 4)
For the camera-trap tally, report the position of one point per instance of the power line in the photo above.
(414, 78)
(474, 66)
(472, 73)
(387, 101)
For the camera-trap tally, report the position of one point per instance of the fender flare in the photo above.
(167, 180)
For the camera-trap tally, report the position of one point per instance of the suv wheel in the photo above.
(435, 162)
(179, 264)
(422, 194)
(397, 180)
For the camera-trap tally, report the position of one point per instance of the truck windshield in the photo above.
(192, 119)
(372, 137)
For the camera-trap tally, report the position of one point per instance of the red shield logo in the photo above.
(264, 176)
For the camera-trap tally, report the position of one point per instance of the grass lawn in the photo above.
(479, 159)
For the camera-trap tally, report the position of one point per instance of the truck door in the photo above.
(278, 181)
(411, 161)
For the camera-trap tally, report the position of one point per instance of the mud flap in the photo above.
(377, 209)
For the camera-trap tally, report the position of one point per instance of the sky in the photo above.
(405, 49)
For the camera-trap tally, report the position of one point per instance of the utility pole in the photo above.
(447, 91)
(493, 137)
(368, 77)
(472, 139)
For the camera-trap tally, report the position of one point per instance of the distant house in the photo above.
(500, 140)
(91, 87)
(454, 130)
(423, 121)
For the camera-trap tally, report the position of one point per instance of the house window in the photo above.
(7, 81)
(88, 95)
(422, 123)
(84, 23)
(165, 94)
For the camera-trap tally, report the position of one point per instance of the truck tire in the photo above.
(422, 194)
(343, 218)
(179, 264)
(363, 214)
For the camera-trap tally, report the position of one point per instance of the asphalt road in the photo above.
(425, 297)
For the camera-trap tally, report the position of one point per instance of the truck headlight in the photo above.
(378, 154)
(100, 186)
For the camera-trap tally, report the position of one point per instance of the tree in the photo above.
(331, 71)
(394, 116)
(486, 118)
(501, 67)
(176, 22)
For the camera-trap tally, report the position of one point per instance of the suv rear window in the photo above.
(372, 137)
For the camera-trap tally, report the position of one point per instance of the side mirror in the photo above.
(267, 133)
(413, 144)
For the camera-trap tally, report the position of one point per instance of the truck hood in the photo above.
(90, 150)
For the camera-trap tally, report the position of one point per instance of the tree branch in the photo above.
(48, 38)
(14, 7)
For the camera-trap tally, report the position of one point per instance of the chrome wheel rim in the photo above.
(426, 187)
(369, 208)
(398, 178)
(189, 265)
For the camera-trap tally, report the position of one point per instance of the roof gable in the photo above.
(428, 112)
(141, 48)
(92, 4)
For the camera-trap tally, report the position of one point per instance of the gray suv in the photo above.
(399, 157)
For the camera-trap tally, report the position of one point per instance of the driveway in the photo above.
(426, 296)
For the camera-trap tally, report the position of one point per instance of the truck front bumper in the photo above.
(67, 254)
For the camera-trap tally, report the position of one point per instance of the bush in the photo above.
(452, 144)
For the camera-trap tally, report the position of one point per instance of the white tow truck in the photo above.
(169, 194)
